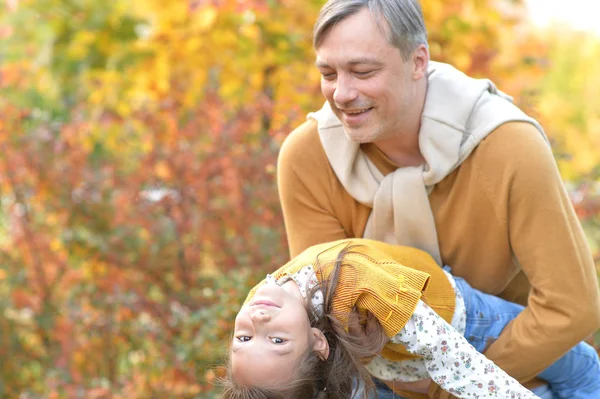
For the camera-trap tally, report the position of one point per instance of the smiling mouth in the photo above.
(357, 111)
(264, 303)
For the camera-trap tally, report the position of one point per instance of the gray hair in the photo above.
(405, 24)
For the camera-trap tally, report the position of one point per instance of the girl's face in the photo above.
(271, 333)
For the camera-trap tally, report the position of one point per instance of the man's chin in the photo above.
(356, 136)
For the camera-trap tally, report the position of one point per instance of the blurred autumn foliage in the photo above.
(138, 143)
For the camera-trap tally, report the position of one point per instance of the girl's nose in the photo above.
(260, 314)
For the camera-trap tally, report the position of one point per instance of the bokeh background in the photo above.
(138, 147)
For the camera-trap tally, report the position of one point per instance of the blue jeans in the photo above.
(384, 392)
(576, 375)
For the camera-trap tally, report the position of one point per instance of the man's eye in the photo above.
(328, 76)
(363, 73)
(278, 341)
(244, 338)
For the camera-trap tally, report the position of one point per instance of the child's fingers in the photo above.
(371, 323)
(355, 326)
(436, 392)
(361, 324)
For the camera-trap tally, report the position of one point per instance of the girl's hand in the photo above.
(421, 386)
(364, 326)
(361, 326)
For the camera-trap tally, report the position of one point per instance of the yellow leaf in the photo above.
(55, 245)
(79, 358)
(162, 170)
(124, 109)
(206, 18)
(147, 146)
(250, 31)
(144, 234)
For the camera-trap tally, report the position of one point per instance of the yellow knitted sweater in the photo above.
(386, 280)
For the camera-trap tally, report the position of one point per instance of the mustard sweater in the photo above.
(504, 222)
(386, 280)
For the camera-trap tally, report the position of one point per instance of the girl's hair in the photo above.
(339, 376)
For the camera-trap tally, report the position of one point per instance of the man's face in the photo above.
(365, 80)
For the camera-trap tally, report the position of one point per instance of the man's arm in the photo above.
(315, 208)
(549, 245)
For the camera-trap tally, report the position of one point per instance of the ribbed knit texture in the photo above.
(386, 280)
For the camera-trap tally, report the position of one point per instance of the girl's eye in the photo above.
(278, 341)
(244, 338)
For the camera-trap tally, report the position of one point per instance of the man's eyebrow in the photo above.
(355, 61)
(364, 60)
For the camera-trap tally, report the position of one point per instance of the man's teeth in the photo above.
(357, 112)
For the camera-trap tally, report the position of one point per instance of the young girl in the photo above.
(388, 306)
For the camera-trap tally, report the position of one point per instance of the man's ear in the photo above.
(320, 344)
(420, 60)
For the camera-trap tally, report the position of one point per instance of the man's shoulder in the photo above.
(303, 147)
(302, 163)
(514, 150)
(302, 139)
(513, 143)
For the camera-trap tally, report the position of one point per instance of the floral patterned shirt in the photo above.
(416, 369)
(446, 356)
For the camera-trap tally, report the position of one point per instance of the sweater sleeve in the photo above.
(548, 244)
(308, 191)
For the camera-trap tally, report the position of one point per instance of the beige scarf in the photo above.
(459, 112)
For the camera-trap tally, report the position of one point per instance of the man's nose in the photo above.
(260, 314)
(344, 92)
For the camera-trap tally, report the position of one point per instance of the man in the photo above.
(414, 152)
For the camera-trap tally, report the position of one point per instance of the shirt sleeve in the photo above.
(549, 246)
(316, 208)
(303, 190)
(452, 362)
